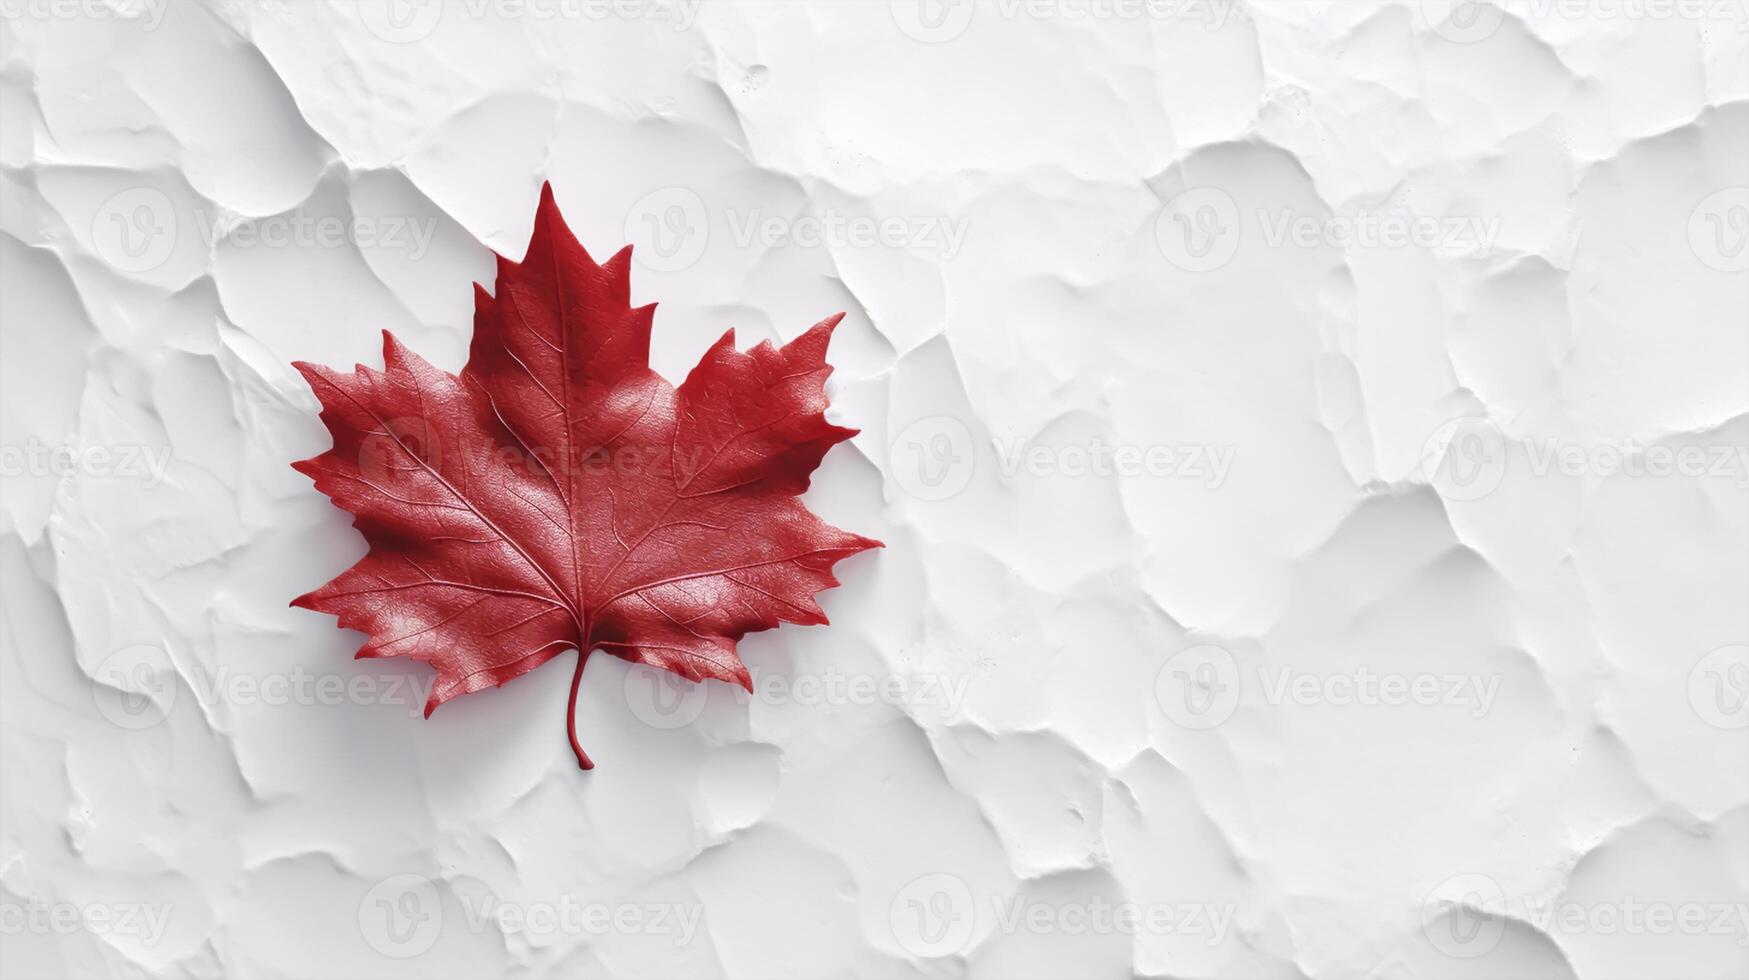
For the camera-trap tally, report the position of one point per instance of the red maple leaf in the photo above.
(562, 495)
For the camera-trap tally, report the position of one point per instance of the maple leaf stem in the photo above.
(571, 712)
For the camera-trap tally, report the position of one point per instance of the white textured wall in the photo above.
(1311, 439)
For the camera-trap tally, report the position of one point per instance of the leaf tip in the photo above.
(860, 544)
(310, 372)
(547, 213)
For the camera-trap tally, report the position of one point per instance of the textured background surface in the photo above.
(1311, 440)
